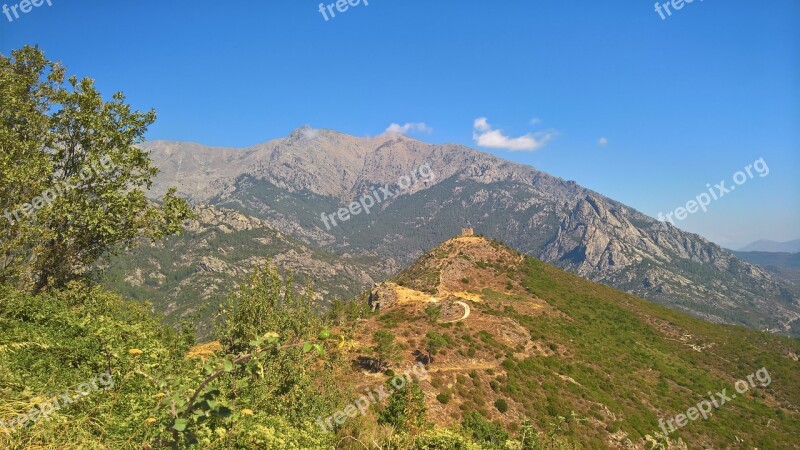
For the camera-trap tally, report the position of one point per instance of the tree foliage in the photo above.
(488, 433)
(72, 177)
(433, 343)
(406, 410)
(385, 349)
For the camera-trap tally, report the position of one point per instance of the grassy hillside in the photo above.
(517, 354)
(187, 276)
(591, 364)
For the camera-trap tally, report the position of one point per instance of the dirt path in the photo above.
(462, 368)
(467, 312)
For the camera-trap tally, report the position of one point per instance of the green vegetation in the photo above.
(393, 318)
(596, 361)
(171, 273)
(434, 342)
(406, 408)
(433, 312)
(270, 373)
(489, 434)
(385, 349)
(72, 176)
(626, 353)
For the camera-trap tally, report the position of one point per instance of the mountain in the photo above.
(772, 246)
(591, 366)
(783, 265)
(509, 352)
(292, 182)
(186, 276)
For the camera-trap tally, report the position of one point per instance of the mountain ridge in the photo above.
(290, 182)
(766, 245)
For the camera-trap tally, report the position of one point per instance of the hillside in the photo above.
(517, 354)
(783, 265)
(550, 344)
(188, 275)
(291, 182)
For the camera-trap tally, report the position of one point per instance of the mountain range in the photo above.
(772, 246)
(288, 184)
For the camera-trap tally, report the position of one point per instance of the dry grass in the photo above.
(204, 351)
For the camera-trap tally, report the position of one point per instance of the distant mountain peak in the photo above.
(765, 245)
(290, 182)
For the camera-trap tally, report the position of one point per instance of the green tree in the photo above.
(433, 343)
(72, 175)
(266, 303)
(433, 312)
(406, 408)
(385, 349)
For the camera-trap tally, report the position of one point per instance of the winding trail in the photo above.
(467, 312)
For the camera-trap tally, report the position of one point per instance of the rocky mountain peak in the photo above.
(290, 182)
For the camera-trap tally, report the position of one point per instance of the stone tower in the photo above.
(467, 232)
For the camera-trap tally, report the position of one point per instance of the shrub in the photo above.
(406, 408)
(480, 429)
(443, 397)
(443, 440)
(501, 405)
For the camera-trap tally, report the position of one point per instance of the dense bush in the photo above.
(480, 429)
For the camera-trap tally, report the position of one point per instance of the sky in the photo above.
(649, 111)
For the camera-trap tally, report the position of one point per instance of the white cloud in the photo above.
(536, 121)
(481, 124)
(603, 141)
(395, 129)
(485, 136)
(309, 133)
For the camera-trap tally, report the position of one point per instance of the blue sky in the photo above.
(682, 102)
